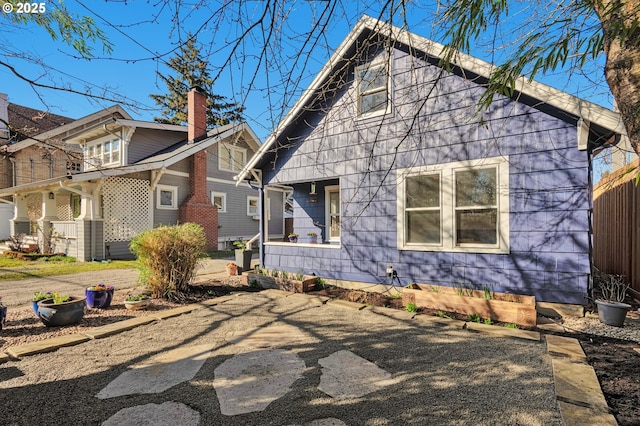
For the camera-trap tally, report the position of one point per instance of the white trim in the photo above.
(376, 63)
(447, 207)
(327, 212)
(174, 197)
(321, 246)
(256, 199)
(223, 195)
(233, 167)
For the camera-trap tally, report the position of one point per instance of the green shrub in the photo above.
(411, 307)
(168, 257)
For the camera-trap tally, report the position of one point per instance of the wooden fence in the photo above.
(616, 225)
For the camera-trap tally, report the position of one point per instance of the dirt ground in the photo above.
(615, 361)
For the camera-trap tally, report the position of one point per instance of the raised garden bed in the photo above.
(502, 307)
(283, 281)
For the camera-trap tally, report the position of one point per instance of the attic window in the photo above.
(373, 89)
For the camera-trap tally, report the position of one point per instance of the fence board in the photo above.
(616, 226)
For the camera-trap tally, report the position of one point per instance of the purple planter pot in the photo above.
(99, 298)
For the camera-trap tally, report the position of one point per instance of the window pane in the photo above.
(334, 203)
(476, 187)
(334, 228)
(115, 156)
(423, 191)
(166, 198)
(225, 158)
(423, 227)
(217, 201)
(238, 159)
(372, 78)
(107, 152)
(476, 226)
(253, 206)
(373, 102)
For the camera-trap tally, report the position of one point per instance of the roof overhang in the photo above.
(607, 122)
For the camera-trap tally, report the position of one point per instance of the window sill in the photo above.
(317, 245)
(489, 250)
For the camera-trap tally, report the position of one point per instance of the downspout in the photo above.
(91, 197)
(261, 223)
(13, 170)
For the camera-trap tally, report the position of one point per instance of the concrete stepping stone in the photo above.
(250, 381)
(345, 375)
(159, 373)
(165, 414)
(271, 336)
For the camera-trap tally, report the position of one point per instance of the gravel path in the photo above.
(440, 375)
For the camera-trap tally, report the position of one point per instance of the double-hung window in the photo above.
(104, 152)
(461, 206)
(231, 158)
(373, 89)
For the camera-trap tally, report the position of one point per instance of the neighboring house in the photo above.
(139, 175)
(32, 149)
(389, 163)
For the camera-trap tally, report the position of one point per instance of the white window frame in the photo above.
(223, 195)
(448, 210)
(359, 94)
(174, 197)
(232, 150)
(98, 160)
(328, 190)
(257, 200)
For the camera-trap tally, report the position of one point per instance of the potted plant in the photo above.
(613, 290)
(3, 314)
(243, 256)
(61, 310)
(232, 269)
(312, 237)
(293, 237)
(99, 296)
(38, 296)
(137, 301)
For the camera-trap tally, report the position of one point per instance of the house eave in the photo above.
(542, 93)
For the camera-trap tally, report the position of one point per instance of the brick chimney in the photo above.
(198, 208)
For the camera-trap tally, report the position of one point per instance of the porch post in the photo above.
(261, 223)
(49, 213)
(20, 222)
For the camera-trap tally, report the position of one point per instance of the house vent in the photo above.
(126, 208)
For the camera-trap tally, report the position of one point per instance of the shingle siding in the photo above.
(548, 187)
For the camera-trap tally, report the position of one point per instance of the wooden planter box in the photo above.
(503, 307)
(295, 286)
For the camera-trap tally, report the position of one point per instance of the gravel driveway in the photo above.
(427, 374)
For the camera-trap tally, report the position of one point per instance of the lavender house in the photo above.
(385, 158)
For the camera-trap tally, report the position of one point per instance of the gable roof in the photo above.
(96, 118)
(26, 122)
(158, 161)
(538, 94)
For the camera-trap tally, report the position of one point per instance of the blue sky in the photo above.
(144, 35)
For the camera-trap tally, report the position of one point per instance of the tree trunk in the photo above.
(622, 69)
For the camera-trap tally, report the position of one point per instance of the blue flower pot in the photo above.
(98, 298)
(59, 314)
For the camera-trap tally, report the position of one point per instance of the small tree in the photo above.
(168, 258)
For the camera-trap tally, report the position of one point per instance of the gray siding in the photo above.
(235, 223)
(548, 186)
(146, 142)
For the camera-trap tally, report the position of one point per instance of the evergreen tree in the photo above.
(191, 70)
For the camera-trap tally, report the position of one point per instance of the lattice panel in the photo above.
(126, 208)
(34, 207)
(63, 207)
